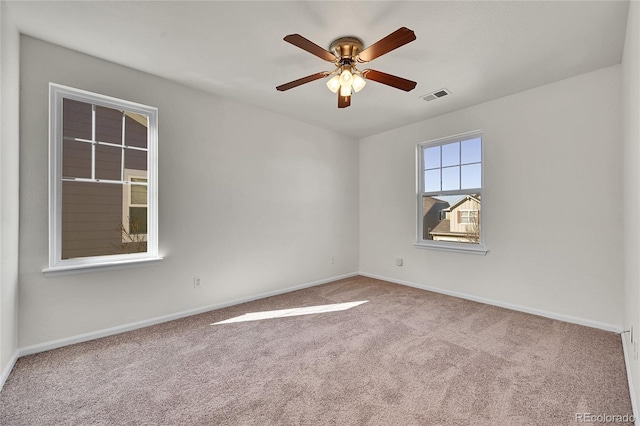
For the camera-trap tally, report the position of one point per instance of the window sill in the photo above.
(97, 266)
(456, 247)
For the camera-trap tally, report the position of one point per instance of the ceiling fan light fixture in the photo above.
(345, 90)
(346, 76)
(334, 83)
(358, 83)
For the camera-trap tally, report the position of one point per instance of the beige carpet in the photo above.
(406, 357)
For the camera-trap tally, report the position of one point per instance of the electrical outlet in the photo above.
(196, 282)
(631, 335)
(333, 260)
(398, 261)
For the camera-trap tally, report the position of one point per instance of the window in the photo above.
(102, 180)
(468, 216)
(135, 206)
(449, 195)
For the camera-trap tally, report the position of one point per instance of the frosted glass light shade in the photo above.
(358, 83)
(334, 83)
(346, 78)
(345, 90)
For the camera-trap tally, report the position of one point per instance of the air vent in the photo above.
(436, 95)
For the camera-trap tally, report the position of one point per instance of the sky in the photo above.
(453, 166)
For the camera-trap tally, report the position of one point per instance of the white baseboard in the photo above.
(29, 350)
(628, 356)
(41, 347)
(8, 368)
(541, 313)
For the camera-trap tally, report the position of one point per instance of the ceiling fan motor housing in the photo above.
(346, 48)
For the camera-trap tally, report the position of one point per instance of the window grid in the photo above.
(122, 145)
(94, 154)
(442, 167)
(93, 138)
(467, 216)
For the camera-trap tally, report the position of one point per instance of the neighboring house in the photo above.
(431, 208)
(461, 222)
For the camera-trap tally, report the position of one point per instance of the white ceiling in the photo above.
(478, 50)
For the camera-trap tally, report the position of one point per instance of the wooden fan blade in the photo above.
(311, 47)
(343, 101)
(389, 80)
(394, 40)
(301, 81)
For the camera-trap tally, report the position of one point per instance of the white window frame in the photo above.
(56, 264)
(464, 247)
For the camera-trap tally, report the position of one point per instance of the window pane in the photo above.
(91, 219)
(432, 180)
(471, 151)
(472, 176)
(451, 154)
(468, 216)
(76, 159)
(108, 125)
(433, 211)
(135, 130)
(133, 225)
(458, 222)
(137, 220)
(432, 157)
(138, 192)
(450, 178)
(108, 162)
(135, 159)
(77, 117)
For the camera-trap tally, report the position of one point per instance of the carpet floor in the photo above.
(405, 357)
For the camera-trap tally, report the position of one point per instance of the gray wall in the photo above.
(552, 203)
(9, 188)
(631, 205)
(249, 201)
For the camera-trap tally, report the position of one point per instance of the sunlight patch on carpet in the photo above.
(309, 310)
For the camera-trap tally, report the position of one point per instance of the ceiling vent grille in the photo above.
(436, 95)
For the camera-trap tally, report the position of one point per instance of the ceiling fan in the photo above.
(345, 53)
